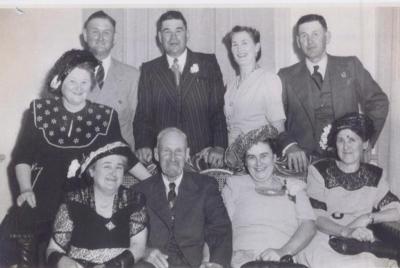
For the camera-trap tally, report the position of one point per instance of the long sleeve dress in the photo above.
(51, 137)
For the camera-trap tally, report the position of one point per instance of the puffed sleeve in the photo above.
(63, 227)
(25, 148)
(384, 198)
(316, 191)
(273, 98)
(297, 188)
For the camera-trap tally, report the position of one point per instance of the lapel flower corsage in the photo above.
(323, 143)
(55, 83)
(194, 68)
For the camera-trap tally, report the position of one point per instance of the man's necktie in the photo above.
(176, 71)
(100, 76)
(317, 77)
(171, 195)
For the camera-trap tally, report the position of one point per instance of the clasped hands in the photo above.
(160, 260)
(358, 229)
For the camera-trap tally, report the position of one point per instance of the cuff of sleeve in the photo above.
(287, 147)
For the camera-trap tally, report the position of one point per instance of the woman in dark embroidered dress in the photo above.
(57, 131)
(103, 223)
(348, 195)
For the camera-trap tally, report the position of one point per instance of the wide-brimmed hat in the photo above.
(76, 168)
(66, 63)
(360, 124)
(234, 155)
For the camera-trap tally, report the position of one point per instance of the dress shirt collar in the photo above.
(181, 60)
(167, 182)
(322, 65)
(106, 65)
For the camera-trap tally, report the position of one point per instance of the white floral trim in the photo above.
(73, 168)
(194, 68)
(55, 82)
(323, 143)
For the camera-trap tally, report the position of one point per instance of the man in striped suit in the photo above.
(182, 89)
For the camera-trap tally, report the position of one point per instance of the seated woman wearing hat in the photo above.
(271, 214)
(103, 223)
(348, 195)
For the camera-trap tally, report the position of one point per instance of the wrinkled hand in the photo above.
(27, 196)
(156, 257)
(210, 265)
(216, 157)
(363, 234)
(297, 158)
(67, 262)
(145, 155)
(271, 254)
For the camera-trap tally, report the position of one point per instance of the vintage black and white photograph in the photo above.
(200, 134)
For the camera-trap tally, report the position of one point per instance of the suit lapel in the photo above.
(112, 75)
(302, 89)
(187, 77)
(187, 197)
(166, 78)
(160, 202)
(337, 76)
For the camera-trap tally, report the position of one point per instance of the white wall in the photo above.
(30, 44)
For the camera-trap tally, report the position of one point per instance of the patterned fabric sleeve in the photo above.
(62, 228)
(137, 221)
(384, 198)
(316, 190)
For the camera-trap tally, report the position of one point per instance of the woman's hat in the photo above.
(234, 155)
(76, 169)
(360, 124)
(66, 63)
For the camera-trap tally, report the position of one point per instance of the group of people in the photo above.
(105, 120)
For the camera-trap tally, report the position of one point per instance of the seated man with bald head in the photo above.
(185, 211)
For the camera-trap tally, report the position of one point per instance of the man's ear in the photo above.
(366, 145)
(156, 156)
(84, 34)
(187, 156)
(298, 41)
(328, 37)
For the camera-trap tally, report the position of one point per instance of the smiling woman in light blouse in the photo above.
(254, 97)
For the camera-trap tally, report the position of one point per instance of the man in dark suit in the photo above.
(116, 81)
(185, 211)
(182, 89)
(321, 88)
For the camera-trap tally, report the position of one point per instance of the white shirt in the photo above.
(167, 182)
(181, 60)
(322, 65)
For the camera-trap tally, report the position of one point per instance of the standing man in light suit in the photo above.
(322, 88)
(181, 89)
(116, 81)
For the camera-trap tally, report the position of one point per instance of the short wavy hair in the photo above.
(254, 34)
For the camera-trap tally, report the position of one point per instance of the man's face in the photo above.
(173, 36)
(99, 36)
(172, 153)
(312, 39)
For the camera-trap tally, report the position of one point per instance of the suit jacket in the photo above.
(196, 108)
(120, 92)
(200, 216)
(352, 88)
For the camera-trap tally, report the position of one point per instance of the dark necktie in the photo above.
(176, 71)
(317, 77)
(171, 195)
(100, 76)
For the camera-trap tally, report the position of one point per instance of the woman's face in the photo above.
(108, 173)
(244, 49)
(349, 146)
(76, 87)
(260, 160)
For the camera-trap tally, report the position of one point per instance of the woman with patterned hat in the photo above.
(104, 222)
(347, 196)
(58, 130)
(271, 215)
